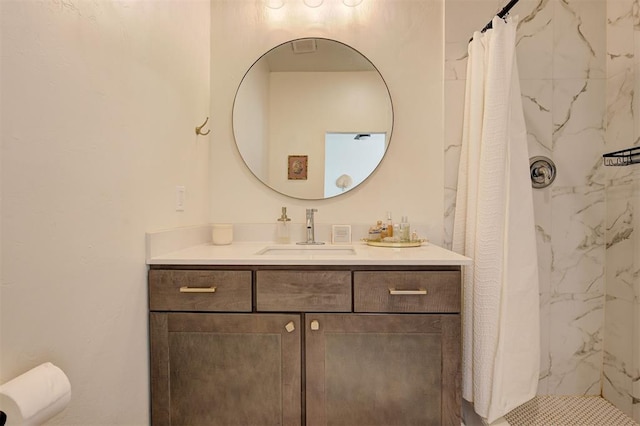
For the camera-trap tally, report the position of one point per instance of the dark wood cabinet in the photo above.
(326, 346)
(382, 370)
(225, 369)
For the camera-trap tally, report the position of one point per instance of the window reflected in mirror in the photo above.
(341, 172)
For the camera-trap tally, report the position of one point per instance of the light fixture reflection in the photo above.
(274, 4)
(351, 3)
(313, 3)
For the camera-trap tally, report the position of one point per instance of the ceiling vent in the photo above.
(306, 45)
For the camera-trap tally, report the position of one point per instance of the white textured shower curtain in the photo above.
(494, 226)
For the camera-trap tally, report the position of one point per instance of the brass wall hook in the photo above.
(199, 128)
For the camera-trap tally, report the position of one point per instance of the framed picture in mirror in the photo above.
(297, 167)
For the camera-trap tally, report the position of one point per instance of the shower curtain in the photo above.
(494, 226)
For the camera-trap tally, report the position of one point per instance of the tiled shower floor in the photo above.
(556, 410)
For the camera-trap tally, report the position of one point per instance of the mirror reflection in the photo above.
(312, 118)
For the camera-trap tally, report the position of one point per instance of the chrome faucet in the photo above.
(311, 230)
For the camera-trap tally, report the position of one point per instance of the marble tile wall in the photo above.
(562, 62)
(621, 370)
(578, 61)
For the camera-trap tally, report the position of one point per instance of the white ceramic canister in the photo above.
(222, 233)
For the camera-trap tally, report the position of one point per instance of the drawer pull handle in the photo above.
(197, 289)
(290, 327)
(396, 292)
(315, 325)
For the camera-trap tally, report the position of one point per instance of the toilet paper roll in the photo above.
(35, 396)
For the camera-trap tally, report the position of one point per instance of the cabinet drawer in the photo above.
(303, 291)
(204, 291)
(428, 291)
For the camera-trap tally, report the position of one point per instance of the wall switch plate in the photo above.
(341, 234)
(180, 196)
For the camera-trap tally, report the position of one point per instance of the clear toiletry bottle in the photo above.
(405, 233)
(389, 225)
(282, 231)
(397, 232)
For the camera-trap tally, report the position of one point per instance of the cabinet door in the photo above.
(382, 370)
(225, 369)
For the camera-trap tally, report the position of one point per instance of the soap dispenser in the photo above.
(282, 231)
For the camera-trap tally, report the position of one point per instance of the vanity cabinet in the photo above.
(319, 345)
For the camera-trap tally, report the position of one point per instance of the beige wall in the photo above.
(251, 112)
(99, 102)
(403, 39)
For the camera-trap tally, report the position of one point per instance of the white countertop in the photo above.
(246, 253)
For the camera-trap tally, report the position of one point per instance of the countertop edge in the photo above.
(247, 254)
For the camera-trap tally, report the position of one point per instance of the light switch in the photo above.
(180, 195)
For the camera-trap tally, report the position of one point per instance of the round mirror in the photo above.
(312, 118)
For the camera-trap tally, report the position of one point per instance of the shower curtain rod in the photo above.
(504, 12)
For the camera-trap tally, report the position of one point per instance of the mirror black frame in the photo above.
(373, 67)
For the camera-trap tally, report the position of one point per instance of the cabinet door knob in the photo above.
(315, 325)
(290, 327)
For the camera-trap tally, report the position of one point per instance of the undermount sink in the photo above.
(308, 250)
